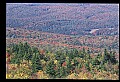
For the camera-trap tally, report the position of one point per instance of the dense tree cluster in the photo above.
(62, 63)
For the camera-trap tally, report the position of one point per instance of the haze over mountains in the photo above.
(61, 18)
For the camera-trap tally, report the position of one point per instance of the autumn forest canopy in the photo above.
(62, 41)
(60, 64)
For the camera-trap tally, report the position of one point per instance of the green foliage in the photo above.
(50, 69)
(60, 57)
(62, 63)
(63, 72)
(109, 57)
(87, 66)
(36, 64)
(14, 48)
(57, 55)
(113, 60)
(106, 56)
(75, 52)
(88, 51)
(80, 54)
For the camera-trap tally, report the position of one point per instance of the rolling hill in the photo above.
(69, 19)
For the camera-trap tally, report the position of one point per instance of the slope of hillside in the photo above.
(62, 40)
(51, 40)
(70, 19)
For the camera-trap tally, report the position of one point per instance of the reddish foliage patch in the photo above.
(7, 54)
(84, 69)
(42, 51)
(8, 61)
(55, 68)
(64, 64)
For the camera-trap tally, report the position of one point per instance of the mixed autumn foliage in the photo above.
(70, 41)
(29, 62)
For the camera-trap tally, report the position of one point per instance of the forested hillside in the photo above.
(69, 19)
(28, 62)
(94, 43)
(62, 41)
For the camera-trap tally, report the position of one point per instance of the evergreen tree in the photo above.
(17, 61)
(88, 51)
(75, 62)
(113, 60)
(80, 54)
(75, 52)
(57, 55)
(28, 55)
(62, 59)
(87, 65)
(14, 48)
(36, 64)
(26, 46)
(109, 57)
(106, 56)
(20, 52)
(83, 54)
(84, 50)
(50, 69)
(57, 71)
(95, 61)
(69, 66)
(71, 54)
(88, 54)
(35, 50)
(63, 72)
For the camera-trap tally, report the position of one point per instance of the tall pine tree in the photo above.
(36, 64)
(50, 69)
